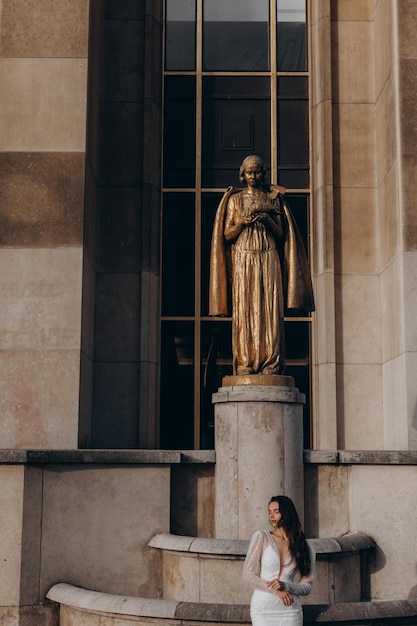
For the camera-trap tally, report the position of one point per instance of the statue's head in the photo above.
(252, 159)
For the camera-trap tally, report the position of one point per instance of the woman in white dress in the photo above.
(279, 566)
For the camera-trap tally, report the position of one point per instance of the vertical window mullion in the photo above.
(197, 235)
(273, 66)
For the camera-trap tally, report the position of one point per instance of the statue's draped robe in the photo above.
(267, 276)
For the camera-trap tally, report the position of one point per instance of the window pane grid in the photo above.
(219, 130)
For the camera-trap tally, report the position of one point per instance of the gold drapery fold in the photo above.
(298, 291)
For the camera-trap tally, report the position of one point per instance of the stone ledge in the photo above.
(162, 457)
(196, 545)
(379, 612)
(360, 457)
(122, 457)
(97, 602)
(204, 612)
(238, 547)
(166, 457)
(87, 600)
(46, 614)
(198, 456)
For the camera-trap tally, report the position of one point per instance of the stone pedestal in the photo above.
(259, 451)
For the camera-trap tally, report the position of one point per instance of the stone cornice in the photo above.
(123, 457)
(360, 457)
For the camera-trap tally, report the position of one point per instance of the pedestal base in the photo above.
(259, 454)
(257, 379)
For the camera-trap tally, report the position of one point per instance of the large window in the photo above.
(235, 83)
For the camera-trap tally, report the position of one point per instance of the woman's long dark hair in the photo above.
(291, 525)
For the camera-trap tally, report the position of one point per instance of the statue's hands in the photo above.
(248, 220)
(245, 220)
(263, 217)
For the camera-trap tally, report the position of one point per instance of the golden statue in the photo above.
(257, 250)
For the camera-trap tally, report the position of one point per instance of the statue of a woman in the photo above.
(257, 247)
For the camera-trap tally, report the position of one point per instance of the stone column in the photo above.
(259, 451)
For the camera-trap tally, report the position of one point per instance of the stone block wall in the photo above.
(43, 74)
(358, 328)
(324, 429)
(373, 493)
(363, 122)
(397, 199)
(86, 520)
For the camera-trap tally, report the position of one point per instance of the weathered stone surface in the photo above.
(378, 457)
(19, 457)
(354, 613)
(263, 424)
(246, 393)
(39, 398)
(98, 520)
(42, 199)
(353, 10)
(360, 613)
(11, 514)
(168, 541)
(140, 457)
(31, 122)
(134, 457)
(41, 298)
(40, 28)
(198, 456)
(30, 615)
(361, 457)
(77, 597)
(321, 456)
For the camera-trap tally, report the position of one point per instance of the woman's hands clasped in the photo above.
(285, 596)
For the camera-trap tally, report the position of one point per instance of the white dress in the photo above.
(262, 564)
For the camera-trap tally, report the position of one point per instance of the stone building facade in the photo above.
(80, 191)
